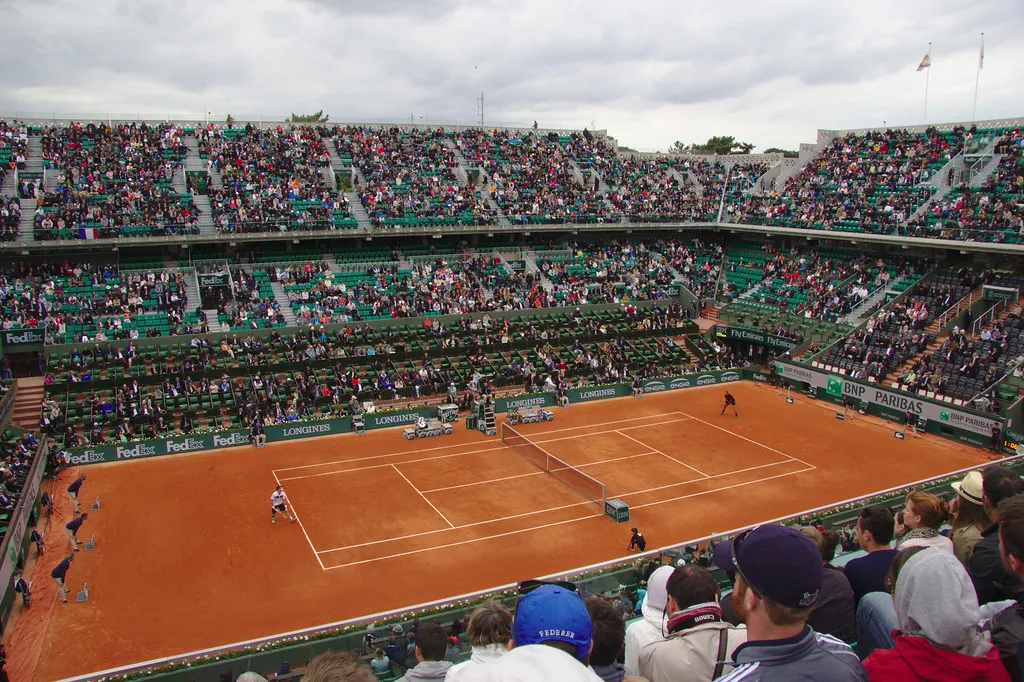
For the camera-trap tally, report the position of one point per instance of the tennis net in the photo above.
(587, 486)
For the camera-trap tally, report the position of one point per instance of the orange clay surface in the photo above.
(186, 557)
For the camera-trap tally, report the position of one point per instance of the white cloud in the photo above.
(650, 71)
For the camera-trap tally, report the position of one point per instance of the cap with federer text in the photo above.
(781, 564)
(553, 613)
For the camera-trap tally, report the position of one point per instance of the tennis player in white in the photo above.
(279, 503)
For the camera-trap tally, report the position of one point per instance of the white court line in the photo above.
(462, 445)
(543, 511)
(664, 455)
(766, 447)
(534, 473)
(715, 490)
(450, 525)
(299, 521)
(458, 454)
(556, 523)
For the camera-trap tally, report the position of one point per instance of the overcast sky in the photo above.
(648, 71)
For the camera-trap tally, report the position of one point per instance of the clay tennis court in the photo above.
(187, 557)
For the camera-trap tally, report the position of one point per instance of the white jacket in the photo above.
(481, 655)
(639, 634)
(531, 663)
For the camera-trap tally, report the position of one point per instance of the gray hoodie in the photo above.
(950, 622)
(426, 670)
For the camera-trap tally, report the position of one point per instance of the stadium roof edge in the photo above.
(825, 134)
(79, 246)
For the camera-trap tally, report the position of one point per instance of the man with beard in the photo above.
(779, 574)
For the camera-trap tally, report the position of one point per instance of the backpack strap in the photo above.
(723, 647)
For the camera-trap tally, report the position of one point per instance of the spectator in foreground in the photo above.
(778, 582)
(337, 666)
(1007, 626)
(722, 558)
(923, 515)
(609, 639)
(835, 612)
(939, 636)
(650, 628)
(874, 535)
(969, 517)
(489, 631)
(699, 644)
(986, 566)
(431, 642)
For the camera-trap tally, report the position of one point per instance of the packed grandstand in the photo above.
(277, 274)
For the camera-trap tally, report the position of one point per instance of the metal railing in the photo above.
(987, 317)
(957, 308)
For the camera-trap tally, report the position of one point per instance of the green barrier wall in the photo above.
(941, 418)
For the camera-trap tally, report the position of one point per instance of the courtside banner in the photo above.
(522, 402)
(890, 400)
(98, 454)
(381, 420)
(294, 430)
(749, 335)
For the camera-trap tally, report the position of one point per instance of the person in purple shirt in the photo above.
(874, 534)
(73, 489)
(58, 574)
(72, 527)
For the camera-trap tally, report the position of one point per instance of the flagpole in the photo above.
(977, 78)
(927, 75)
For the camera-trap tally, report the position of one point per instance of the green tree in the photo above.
(318, 117)
(788, 153)
(719, 144)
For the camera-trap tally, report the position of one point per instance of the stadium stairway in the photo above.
(26, 403)
(531, 265)
(358, 212)
(206, 224)
(866, 308)
(191, 291)
(933, 326)
(193, 162)
(34, 160)
(282, 300)
(7, 188)
(27, 225)
(332, 262)
(986, 170)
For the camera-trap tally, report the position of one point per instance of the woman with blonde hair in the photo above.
(969, 516)
(923, 515)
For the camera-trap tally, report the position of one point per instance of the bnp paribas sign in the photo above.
(21, 337)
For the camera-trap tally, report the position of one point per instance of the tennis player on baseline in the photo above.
(729, 402)
(279, 504)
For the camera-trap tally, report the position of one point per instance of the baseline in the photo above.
(749, 440)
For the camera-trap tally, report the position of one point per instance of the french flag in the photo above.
(88, 233)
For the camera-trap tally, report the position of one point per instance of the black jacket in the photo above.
(986, 567)
(1007, 629)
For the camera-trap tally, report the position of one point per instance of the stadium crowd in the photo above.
(409, 175)
(112, 181)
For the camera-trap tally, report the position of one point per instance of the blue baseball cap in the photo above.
(780, 563)
(553, 613)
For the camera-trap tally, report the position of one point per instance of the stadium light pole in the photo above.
(927, 75)
(977, 77)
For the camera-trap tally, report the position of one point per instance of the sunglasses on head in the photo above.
(528, 586)
(734, 552)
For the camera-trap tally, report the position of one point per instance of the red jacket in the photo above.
(914, 658)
